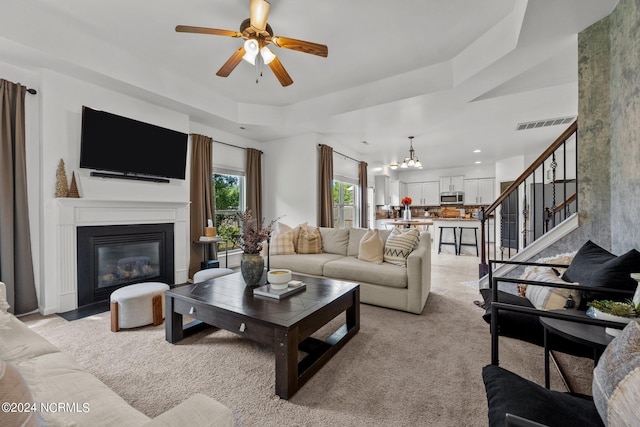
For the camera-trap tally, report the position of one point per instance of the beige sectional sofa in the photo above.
(399, 287)
(49, 377)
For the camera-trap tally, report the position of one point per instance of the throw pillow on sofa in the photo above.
(400, 244)
(371, 247)
(282, 244)
(309, 240)
(595, 266)
(616, 379)
(283, 228)
(545, 297)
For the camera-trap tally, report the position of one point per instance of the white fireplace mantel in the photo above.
(73, 213)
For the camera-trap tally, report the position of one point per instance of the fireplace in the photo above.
(113, 256)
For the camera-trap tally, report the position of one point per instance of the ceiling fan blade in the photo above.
(281, 74)
(205, 30)
(301, 46)
(231, 63)
(259, 12)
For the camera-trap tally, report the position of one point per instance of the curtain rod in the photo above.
(234, 146)
(343, 155)
(231, 145)
(32, 91)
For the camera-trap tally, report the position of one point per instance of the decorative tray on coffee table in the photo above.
(266, 291)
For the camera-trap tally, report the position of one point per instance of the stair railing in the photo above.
(543, 196)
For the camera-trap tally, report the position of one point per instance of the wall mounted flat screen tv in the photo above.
(118, 144)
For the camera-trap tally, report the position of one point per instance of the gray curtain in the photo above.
(325, 180)
(254, 182)
(362, 178)
(16, 264)
(202, 203)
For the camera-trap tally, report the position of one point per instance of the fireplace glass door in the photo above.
(110, 257)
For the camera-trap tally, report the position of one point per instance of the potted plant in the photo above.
(614, 311)
(252, 237)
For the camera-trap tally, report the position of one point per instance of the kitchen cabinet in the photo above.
(424, 193)
(431, 193)
(452, 183)
(479, 191)
(397, 191)
(414, 190)
(382, 190)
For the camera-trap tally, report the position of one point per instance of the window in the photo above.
(229, 193)
(345, 203)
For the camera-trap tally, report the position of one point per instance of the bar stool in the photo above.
(454, 243)
(475, 234)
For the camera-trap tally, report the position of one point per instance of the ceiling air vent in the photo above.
(545, 123)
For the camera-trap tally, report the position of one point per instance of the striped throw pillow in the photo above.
(399, 244)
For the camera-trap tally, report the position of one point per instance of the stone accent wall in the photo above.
(608, 133)
(625, 126)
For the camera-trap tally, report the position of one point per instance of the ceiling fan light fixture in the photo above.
(267, 55)
(251, 48)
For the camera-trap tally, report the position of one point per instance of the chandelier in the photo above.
(408, 162)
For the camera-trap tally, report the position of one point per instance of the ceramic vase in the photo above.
(407, 214)
(252, 267)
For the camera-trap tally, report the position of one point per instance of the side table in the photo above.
(212, 249)
(590, 335)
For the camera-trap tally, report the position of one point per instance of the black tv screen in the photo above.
(119, 144)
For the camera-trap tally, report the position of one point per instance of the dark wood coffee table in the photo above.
(286, 325)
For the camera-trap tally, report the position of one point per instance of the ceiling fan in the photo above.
(257, 34)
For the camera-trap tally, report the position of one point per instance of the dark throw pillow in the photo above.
(510, 393)
(595, 266)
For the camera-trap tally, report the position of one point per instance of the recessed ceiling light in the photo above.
(477, 151)
(478, 162)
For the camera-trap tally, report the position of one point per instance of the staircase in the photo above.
(535, 210)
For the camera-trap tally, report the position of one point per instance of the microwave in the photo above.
(452, 198)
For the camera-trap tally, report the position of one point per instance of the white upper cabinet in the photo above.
(414, 190)
(480, 191)
(452, 183)
(424, 193)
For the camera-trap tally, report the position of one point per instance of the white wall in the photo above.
(62, 98)
(53, 132)
(509, 169)
(291, 180)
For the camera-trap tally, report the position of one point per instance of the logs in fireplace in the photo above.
(113, 256)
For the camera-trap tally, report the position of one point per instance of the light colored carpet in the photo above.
(401, 369)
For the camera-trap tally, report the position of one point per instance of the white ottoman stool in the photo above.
(138, 305)
(210, 273)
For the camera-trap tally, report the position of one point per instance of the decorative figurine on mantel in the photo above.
(62, 187)
(73, 189)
